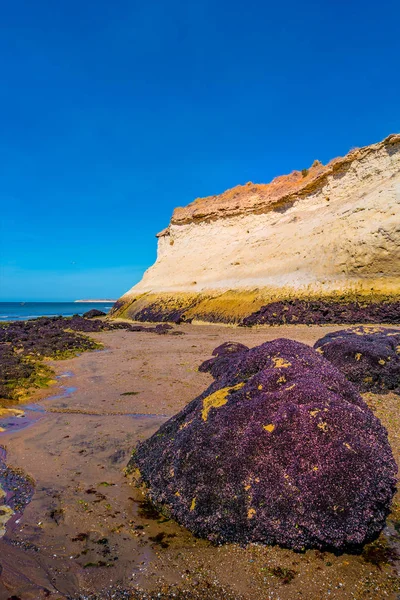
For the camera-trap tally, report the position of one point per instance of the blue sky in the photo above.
(113, 113)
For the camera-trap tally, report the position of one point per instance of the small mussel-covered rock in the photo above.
(367, 356)
(222, 355)
(280, 449)
(91, 314)
(162, 328)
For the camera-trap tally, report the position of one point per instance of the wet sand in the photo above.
(87, 529)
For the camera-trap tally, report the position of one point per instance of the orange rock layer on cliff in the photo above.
(261, 197)
(330, 231)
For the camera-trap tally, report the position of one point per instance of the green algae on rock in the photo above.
(25, 344)
(280, 449)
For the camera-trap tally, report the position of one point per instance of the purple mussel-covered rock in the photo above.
(324, 311)
(368, 356)
(280, 449)
(222, 355)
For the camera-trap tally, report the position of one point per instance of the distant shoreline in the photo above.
(24, 311)
(92, 301)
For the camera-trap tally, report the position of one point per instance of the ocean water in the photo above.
(20, 311)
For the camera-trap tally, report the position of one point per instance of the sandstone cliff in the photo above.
(330, 231)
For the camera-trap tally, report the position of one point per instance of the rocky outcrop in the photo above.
(329, 232)
(280, 449)
(368, 356)
(323, 312)
(91, 314)
(221, 358)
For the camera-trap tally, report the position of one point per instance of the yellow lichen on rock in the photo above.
(250, 513)
(313, 413)
(280, 363)
(367, 329)
(193, 504)
(346, 445)
(270, 428)
(218, 399)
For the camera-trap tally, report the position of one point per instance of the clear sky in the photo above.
(114, 112)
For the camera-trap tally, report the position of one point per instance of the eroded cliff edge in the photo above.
(330, 232)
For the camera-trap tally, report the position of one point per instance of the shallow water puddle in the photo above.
(13, 420)
(18, 417)
(16, 489)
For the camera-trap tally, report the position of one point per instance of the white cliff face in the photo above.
(343, 233)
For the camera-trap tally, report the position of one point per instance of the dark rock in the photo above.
(116, 307)
(281, 449)
(90, 314)
(117, 456)
(308, 312)
(367, 356)
(155, 314)
(229, 348)
(162, 328)
(48, 336)
(222, 356)
(18, 486)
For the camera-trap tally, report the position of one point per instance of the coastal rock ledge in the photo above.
(329, 232)
(280, 449)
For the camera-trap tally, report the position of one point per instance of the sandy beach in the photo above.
(88, 530)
